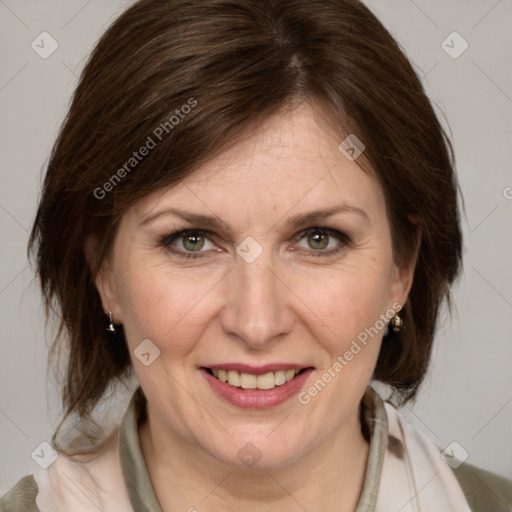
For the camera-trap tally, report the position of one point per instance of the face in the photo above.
(271, 258)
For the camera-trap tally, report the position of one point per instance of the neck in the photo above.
(184, 477)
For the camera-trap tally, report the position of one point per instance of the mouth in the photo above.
(262, 381)
(256, 387)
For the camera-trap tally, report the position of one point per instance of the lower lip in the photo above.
(257, 398)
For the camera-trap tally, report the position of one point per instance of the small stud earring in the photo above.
(397, 323)
(111, 327)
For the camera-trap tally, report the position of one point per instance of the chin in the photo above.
(259, 451)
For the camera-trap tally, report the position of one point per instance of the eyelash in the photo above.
(166, 241)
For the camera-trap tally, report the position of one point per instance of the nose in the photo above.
(258, 308)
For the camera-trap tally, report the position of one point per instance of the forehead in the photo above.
(291, 141)
(289, 162)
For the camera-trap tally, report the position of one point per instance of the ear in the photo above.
(401, 283)
(402, 279)
(103, 279)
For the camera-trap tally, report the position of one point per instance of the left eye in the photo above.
(320, 240)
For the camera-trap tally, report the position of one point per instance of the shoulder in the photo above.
(22, 497)
(483, 489)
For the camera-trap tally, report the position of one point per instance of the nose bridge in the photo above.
(256, 309)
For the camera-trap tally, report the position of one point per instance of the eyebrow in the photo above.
(214, 222)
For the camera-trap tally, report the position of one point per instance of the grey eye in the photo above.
(318, 240)
(193, 242)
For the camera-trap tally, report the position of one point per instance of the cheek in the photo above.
(164, 305)
(349, 300)
(344, 315)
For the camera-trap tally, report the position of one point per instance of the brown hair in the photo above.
(234, 63)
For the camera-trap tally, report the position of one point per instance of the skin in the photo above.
(287, 306)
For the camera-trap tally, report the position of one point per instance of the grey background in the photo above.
(468, 395)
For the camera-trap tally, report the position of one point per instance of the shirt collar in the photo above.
(135, 472)
(141, 492)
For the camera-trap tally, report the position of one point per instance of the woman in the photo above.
(252, 210)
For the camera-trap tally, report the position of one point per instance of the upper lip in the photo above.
(257, 370)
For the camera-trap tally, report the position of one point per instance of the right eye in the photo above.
(187, 242)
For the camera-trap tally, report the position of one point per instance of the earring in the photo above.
(397, 323)
(111, 328)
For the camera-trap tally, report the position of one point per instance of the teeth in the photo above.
(247, 380)
(289, 375)
(250, 381)
(266, 381)
(233, 378)
(280, 377)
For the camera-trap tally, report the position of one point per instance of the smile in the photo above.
(245, 380)
(256, 387)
